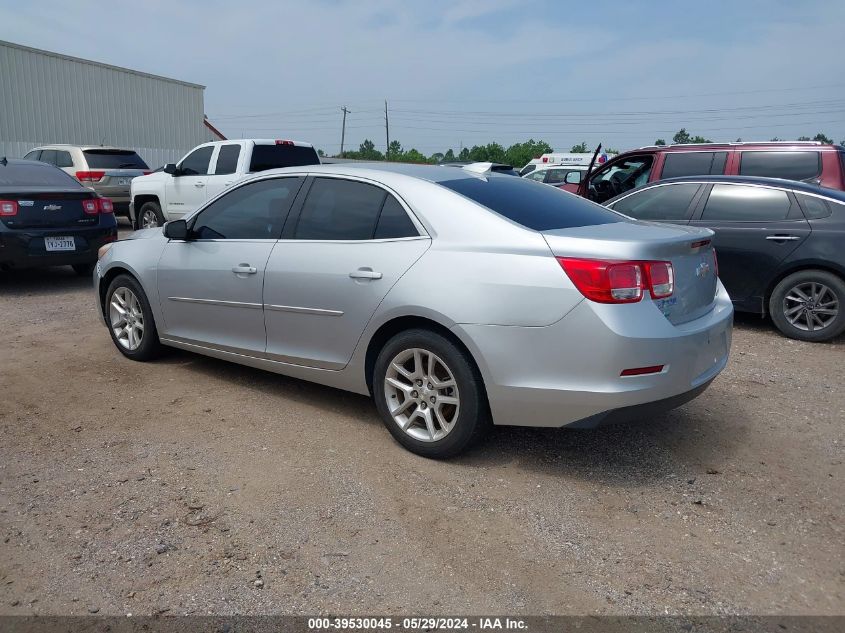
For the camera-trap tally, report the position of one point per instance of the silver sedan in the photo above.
(455, 299)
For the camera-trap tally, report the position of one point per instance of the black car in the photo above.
(780, 243)
(48, 219)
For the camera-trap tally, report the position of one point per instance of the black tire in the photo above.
(786, 287)
(84, 270)
(149, 347)
(473, 417)
(152, 207)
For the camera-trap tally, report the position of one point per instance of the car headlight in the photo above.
(103, 250)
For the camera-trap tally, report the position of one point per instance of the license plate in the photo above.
(123, 181)
(60, 243)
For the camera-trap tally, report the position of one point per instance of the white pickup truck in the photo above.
(206, 171)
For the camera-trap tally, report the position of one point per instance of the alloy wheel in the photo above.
(149, 219)
(422, 394)
(810, 306)
(127, 318)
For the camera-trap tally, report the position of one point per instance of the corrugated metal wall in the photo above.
(49, 98)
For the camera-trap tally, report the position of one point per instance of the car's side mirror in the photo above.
(170, 168)
(573, 178)
(176, 230)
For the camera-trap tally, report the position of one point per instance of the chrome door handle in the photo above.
(199, 184)
(783, 238)
(244, 269)
(365, 273)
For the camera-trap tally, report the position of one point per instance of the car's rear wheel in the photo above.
(429, 394)
(130, 319)
(809, 305)
(150, 216)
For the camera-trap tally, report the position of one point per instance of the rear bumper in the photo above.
(26, 249)
(568, 373)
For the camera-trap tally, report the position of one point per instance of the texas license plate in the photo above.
(65, 243)
(123, 181)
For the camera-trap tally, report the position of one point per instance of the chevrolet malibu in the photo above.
(454, 299)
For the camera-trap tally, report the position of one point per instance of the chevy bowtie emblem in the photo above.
(52, 207)
(702, 269)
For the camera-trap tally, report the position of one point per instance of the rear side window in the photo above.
(337, 209)
(227, 159)
(394, 221)
(789, 165)
(63, 159)
(113, 159)
(741, 203)
(539, 176)
(666, 202)
(813, 207)
(693, 164)
(276, 156)
(196, 163)
(533, 205)
(35, 175)
(48, 156)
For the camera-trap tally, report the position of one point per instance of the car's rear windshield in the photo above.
(532, 204)
(114, 159)
(35, 175)
(276, 156)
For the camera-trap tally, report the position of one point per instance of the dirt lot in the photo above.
(173, 487)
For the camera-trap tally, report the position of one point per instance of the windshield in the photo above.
(113, 159)
(619, 177)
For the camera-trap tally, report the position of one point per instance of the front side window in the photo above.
(666, 202)
(620, 177)
(789, 165)
(741, 203)
(678, 164)
(539, 176)
(557, 176)
(196, 163)
(255, 211)
(337, 209)
(227, 159)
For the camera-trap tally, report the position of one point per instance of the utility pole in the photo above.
(343, 130)
(386, 131)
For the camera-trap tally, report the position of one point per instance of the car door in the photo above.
(224, 173)
(210, 285)
(660, 203)
(351, 241)
(756, 228)
(184, 191)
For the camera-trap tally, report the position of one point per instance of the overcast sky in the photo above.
(464, 72)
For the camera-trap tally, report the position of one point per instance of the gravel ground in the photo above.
(190, 485)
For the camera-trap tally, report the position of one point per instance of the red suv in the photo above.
(809, 161)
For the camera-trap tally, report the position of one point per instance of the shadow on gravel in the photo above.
(35, 282)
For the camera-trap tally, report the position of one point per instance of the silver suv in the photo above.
(106, 170)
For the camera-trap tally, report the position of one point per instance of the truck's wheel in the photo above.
(149, 216)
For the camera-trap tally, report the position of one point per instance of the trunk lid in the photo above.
(49, 209)
(690, 249)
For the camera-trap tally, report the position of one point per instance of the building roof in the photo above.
(100, 64)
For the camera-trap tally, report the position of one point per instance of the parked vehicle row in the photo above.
(454, 298)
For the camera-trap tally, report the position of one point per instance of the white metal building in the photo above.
(51, 98)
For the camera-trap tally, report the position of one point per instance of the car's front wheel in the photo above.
(429, 394)
(150, 216)
(130, 319)
(809, 305)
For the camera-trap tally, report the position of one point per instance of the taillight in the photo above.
(8, 207)
(90, 206)
(106, 205)
(619, 282)
(661, 279)
(90, 176)
(284, 142)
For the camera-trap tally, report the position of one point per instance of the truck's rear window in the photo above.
(114, 159)
(275, 156)
(35, 175)
(532, 204)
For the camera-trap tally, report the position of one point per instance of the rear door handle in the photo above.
(199, 184)
(244, 269)
(783, 238)
(365, 273)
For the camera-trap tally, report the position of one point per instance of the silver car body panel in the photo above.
(548, 356)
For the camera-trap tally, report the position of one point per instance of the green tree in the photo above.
(368, 151)
(449, 156)
(610, 150)
(414, 156)
(821, 138)
(464, 155)
(581, 148)
(520, 154)
(320, 152)
(394, 151)
(683, 137)
(436, 158)
(804, 138)
(660, 141)
(775, 139)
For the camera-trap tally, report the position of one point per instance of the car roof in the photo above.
(82, 147)
(746, 145)
(22, 161)
(782, 183)
(431, 173)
